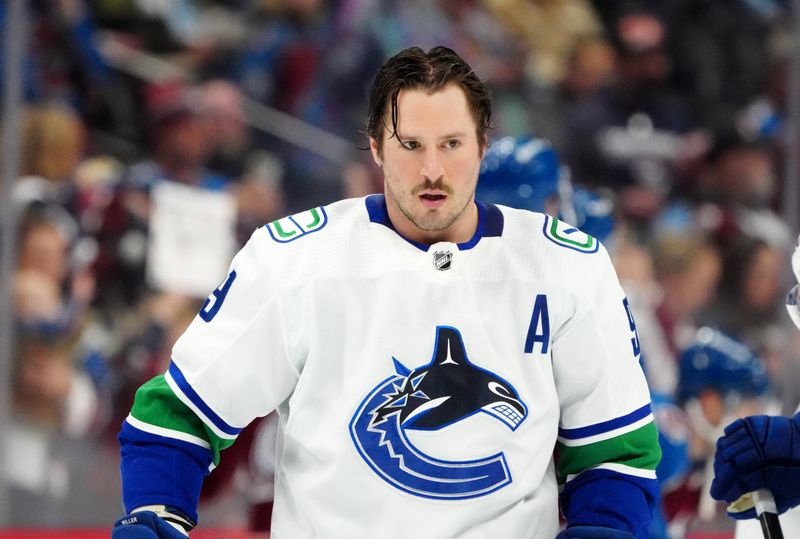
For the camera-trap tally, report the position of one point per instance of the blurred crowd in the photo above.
(137, 184)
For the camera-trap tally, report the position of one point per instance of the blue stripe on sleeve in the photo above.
(159, 470)
(605, 426)
(190, 393)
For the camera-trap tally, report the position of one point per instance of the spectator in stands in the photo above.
(52, 399)
(687, 271)
(180, 146)
(53, 396)
(628, 135)
(550, 29)
(750, 304)
(590, 70)
(53, 144)
(720, 379)
(222, 105)
(256, 174)
(178, 140)
(740, 179)
(45, 256)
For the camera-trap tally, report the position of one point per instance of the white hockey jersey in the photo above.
(432, 391)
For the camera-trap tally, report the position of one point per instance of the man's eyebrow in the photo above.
(405, 136)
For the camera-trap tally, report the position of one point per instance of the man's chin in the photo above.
(428, 225)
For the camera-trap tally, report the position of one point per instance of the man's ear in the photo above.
(376, 151)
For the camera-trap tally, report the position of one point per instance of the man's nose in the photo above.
(432, 167)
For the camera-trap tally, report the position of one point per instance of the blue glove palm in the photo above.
(759, 452)
(144, 525)
(593, 532)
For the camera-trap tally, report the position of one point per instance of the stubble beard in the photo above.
(428, 223)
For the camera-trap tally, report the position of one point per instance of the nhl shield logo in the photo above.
(442, 260)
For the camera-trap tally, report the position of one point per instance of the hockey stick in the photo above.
(767, 513)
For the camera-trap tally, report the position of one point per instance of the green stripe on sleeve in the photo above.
(637, 449)
(156, 404)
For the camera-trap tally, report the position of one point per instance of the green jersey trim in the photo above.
(636, 450)
(158, 410)
(619, 468)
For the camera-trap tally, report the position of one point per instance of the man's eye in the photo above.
(410, 144)
(453, 143)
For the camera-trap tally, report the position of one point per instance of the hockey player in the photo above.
(441, 367)
(527, 173)
(521, 173)
(719, 379)
(762, 452)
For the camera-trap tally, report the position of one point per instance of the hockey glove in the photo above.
(148, 525)
(593, 532)
(758, 452)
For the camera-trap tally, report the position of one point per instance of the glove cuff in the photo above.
(171, 515)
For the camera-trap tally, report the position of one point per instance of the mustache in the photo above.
(438, 185)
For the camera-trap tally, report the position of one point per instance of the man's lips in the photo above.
(432, 200)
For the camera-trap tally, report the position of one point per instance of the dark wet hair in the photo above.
(413, 68)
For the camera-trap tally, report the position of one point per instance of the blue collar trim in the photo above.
(490, 222)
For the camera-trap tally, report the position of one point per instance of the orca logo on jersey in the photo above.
(448, 389)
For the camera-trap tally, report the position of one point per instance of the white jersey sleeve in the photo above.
(232, 363)
(230, 366)
(606, 421)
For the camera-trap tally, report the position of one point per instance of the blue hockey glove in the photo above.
(593, 532)
(144, 525)
(758, 452)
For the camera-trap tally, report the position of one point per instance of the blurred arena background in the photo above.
(144, 140)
